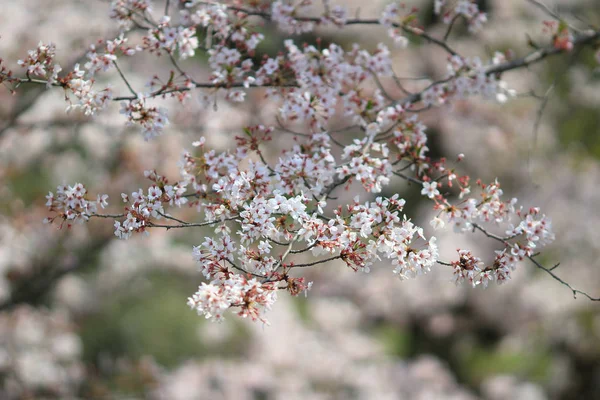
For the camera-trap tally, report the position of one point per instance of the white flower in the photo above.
(101, 200)
(437, 223)
(430, 189)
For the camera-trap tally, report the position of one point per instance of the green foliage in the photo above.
(155, 322)
(581, 127)
(29, 185)
(301, 304)
(478, 363)
(396, 341)
(578, 123)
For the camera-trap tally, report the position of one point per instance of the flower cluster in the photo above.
(124, 11)
(390, 18)
(372, 172)
(469, 268)
(40, 63)
(79, 92)
(536, 227)
(151, 119)
(472, 270)
(169, 39)
(470, 211)
(521, 241)
(143, 207)
(86, 99)
(213, 15)
(336, 15)
(250, 295)
(463, 8)
(71, 204)
(275, 222)
(283, 13)
(468, 77)
(329, 77)
(104, 61)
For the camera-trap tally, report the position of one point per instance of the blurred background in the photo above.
(84, 315)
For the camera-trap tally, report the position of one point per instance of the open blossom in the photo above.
(102, 200)
(151, 119)
(437, 223)
(430, 189)
(270, 66)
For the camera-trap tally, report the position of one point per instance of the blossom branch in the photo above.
(356, 21)
(585, 39)
(285, 203)
(539, 265)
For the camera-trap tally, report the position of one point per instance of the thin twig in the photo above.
(551, 13)
(408, 178)
(358, 21)
(553, 275)
(133, 92)
(312, 264)
(450, 26)
(536, 126)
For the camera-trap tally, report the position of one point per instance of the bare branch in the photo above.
(553, 275)
(312, 264)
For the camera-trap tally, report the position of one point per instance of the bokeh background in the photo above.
(84, 315)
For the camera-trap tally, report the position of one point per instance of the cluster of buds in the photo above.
(562, 38)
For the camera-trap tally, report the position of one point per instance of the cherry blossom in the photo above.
(266, 220)
(70, 203)
(430, 189)
(151, 119)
